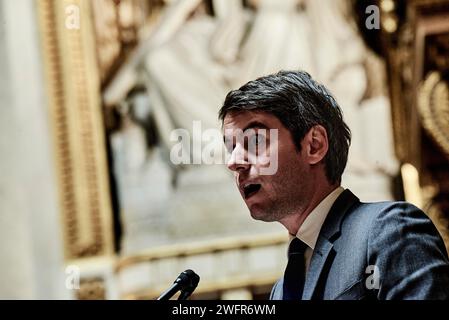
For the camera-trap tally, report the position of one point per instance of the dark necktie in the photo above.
(294, 276)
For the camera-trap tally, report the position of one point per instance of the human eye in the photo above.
(256, 142)
(256, 139)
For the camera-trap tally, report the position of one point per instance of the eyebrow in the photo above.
(252, 125)
(255, 125)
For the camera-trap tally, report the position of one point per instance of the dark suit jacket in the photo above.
(393, 242)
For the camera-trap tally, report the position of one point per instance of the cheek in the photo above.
(287, 157)
(261, 160)
(291, 167)
(265, 156)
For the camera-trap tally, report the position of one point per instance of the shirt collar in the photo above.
(310, 229)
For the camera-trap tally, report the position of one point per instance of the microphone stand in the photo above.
(170, 292)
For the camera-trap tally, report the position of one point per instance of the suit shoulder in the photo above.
(400, 221)
(377, 217)
(390, 210)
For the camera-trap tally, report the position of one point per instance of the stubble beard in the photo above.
(276, 211)
(289, 197)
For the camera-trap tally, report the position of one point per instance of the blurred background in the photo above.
(91, 207)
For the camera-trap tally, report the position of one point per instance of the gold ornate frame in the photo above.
(73, 91)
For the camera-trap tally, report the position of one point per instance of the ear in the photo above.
(316, 144)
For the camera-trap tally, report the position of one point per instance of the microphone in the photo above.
(186, 282)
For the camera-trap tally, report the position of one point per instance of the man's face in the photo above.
(269, 197)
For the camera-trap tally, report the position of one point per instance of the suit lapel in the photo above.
(329, 232)
(319, 258)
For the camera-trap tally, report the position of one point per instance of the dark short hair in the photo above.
(300, 103)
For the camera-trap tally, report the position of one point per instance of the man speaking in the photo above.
(340, 248)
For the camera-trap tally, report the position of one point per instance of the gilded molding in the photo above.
(91, 289)
(433, 107)
(73, 92)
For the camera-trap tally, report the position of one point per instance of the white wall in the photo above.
(31, 256)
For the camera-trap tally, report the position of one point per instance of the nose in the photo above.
(238, 160)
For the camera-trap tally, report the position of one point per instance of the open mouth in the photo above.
(251, 189)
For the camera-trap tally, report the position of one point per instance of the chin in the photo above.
(258, 214)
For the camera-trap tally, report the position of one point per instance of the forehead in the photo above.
(249, 119)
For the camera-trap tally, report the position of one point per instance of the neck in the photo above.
(294, 221)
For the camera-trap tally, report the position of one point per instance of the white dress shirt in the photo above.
(310, 229)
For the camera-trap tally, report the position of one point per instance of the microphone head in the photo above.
(188, 280)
